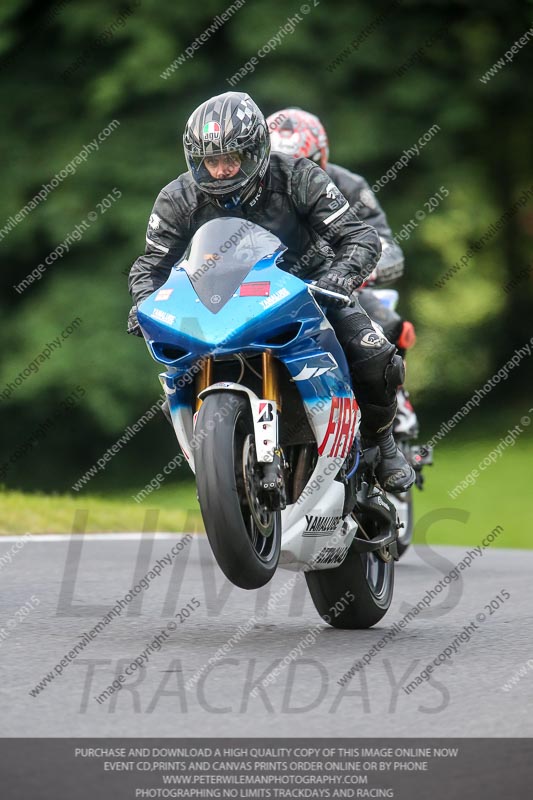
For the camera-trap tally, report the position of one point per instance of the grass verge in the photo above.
(501, 495)
(171, 509)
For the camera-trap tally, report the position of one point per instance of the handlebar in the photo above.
(319, 290)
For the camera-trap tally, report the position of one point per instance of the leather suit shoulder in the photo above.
(348, 182)
(184, 193)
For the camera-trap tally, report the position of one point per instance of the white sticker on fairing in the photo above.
(265, 411)
(275, 298)
(310, 372)
(320, 526)
(265, 428)
(331, 555)
(163, 294)
(314, 372)
(168, 319)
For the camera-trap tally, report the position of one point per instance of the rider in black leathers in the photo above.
(298, 133)
(296, 201)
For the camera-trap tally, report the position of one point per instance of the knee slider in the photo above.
(372, 375)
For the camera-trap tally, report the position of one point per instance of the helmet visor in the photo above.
(223, 173)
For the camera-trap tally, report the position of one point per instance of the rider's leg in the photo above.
(405, 422)
(376, 372)
(387, 317)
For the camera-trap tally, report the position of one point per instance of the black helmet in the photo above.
(228, 123)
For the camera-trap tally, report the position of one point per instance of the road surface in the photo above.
(66, 585)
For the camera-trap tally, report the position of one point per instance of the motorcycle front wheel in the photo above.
(244, 535)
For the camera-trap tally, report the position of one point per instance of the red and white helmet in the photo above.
(300, 134)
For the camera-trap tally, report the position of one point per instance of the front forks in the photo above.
(264, 412)
(204, 379)
(269, 457)
(270, 379)
(267, 442)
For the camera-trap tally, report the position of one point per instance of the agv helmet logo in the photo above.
(211, 131)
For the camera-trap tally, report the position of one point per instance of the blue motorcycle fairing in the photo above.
(180, 328)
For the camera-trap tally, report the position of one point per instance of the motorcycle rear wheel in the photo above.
(367, 577)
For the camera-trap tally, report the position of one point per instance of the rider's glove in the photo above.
(334, 281)
(133, 324)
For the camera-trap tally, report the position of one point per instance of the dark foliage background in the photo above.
(69, 69)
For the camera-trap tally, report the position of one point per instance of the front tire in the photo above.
(245, 537)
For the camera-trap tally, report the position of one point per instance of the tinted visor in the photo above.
(223, 173)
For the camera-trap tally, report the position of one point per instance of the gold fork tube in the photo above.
(270, 379)
(204, 378)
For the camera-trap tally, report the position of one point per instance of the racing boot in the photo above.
(393, 472)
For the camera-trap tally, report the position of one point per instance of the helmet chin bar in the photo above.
(253, 192)
(233, 202)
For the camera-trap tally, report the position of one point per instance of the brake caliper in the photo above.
(273, 483)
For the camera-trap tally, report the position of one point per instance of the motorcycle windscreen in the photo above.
(221, 254)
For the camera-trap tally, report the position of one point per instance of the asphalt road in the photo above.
(75, 582)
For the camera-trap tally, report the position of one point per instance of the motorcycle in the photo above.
(261, 401)
(405, 430)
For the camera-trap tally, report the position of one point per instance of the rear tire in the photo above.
(365, 576)
(244, 537)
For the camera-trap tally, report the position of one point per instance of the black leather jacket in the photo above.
(297, 202)
(364, 203)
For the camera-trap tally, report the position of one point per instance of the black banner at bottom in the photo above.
(127, 769)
